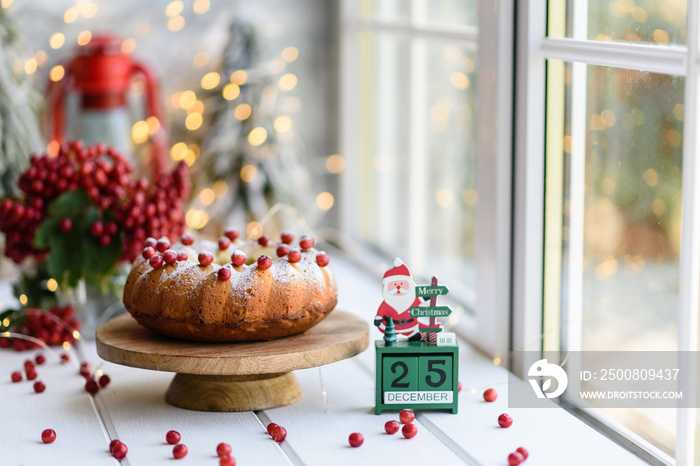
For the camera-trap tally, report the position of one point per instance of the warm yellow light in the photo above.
(288, 82)
(239, 77)
(283, 124)
(193, 121)
(200, 59)
(444, 197)
(496, 361)
(679, 111)
(660, 36)
(128, 45)
(187, 99)
(290, 54)
(30, 66)
(178, 151)
(324, 201)
(608, 117)
(196, 218)
(90, 10)
(207, 196)
(470, 197)
(190, 158)
(242, 111)
(257, 136)
(254, 230)
(52, 148)
(606, 268)
(200, 6)
(40, 57)
(176, 23)
(210, 80)
(139, 132)
(57, 40)
(76, 334)
(70, 15)
(249, 173)
(57, 73)
(335, 163)
(658, 206)
(84, 38)
(6, 3)
(231, 91)
(459, 80)
(23, 299)
(194, 148)
(51, 285)
(6, 322)
(174, 8)
(220, 188)
(197, 107)
(650, 176)
(66, 346)
(153, 125)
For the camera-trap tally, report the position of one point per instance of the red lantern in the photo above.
(91, 102)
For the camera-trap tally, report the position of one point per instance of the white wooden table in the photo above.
(133, 410)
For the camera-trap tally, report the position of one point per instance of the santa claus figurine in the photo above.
(399, 291)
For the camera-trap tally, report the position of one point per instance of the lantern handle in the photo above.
(153, 109)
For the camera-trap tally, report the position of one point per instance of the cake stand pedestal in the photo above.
(246, 376)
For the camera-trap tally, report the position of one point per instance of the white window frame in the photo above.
(533, 50)
(490, 330)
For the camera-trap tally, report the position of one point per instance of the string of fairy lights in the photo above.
(184, 104)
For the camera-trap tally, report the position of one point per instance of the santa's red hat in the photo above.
(398, 272)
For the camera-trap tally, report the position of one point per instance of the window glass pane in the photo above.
(391, 10)
(620, 158)
(647, 21)
(452, 12)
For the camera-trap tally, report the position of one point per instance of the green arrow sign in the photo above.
(431, 311)
(427, 291)
(430, 330)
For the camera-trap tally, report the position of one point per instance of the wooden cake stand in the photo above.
(244, 376)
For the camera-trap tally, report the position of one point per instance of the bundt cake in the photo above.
(230, 291)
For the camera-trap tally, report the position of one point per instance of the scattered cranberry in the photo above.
(391, 427)
(223, 449)
(40, 359)
(263, 240)
(148, 252)
(149, 243)
(65, 357)
(232, 233)
(29, 365)
(278, 434)
(322, 259)
(514, 459)
(119, 450)
(179, 451)
(156, 262)
(105, 240)
(187, 239)
(112, 444)
(505, 421)
(48, 436)
(39, 386)
(409, 430)
(287, 237)
(356, 439)
(163, 244)
(523, 452)
(66, 225)
(271, 426)
(238, 258)
(92, 387)
(97, 228)
(406, 416)
(205, 258)
(85, 372)
(104, 380)
(16, 376)
(224, 274)
(264, 262)
(307, 242)
(227, 460)
(31, 375)
(490, 395)
(224, 243)
(282, 250)
(294, 255)
(169, 257)
(173, 437)
(182, 256)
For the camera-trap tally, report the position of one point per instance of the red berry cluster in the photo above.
(31, 373)
(277, 432)
(409, 429)
(53, 328)
(140, 210)
(518, 456)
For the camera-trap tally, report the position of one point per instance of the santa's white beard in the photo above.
(400, 303)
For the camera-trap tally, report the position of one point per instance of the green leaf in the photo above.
(68, 204)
